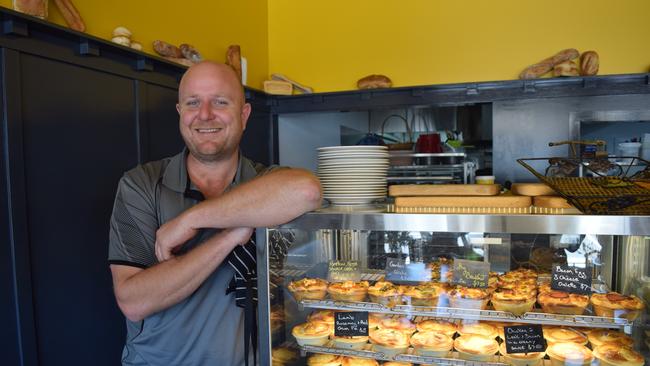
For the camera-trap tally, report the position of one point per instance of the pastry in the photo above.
(390, 342)
(563, 335)
(431, 344)
(560, 302)
(355, 342)
(348, 290)
(468, 298)
(521, 359)
(437, 325)
(322, 316)
(569, 354)
(425, 294)
(399, 323)
(375, 319)
(308, 288)
(598, 337)
(312, 334)
(357, 361)
(276, 318)
(320, 359)
(374, 82)
(615, 305)
(70, 15)
(281, 356)
(617, 355)
(516, 302)
(474, 347)
(385, 293)
(480, 328)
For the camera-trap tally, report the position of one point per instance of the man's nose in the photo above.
(205, 113)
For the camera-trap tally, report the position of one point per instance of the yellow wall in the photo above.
(211, 26)
(330, 44)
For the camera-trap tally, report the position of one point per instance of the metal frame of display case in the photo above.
(381, 221)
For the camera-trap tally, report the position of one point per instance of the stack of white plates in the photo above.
(353, 175)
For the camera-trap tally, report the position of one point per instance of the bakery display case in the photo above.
(370, 287)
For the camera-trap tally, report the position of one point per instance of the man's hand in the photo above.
(172, 235)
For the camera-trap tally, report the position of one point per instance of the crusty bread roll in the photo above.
(566, 68)
(374, 82)
(37, 8)
(546, 65)
(589, 63)
(532, 189)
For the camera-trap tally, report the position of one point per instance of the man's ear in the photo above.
(245, 113)
(178, 109)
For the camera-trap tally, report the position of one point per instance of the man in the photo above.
(176, 221)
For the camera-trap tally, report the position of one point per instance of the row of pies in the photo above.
(515, 291)
(476, 341)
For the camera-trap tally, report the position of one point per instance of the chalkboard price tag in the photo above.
(471, 273)
(339, 271)
(571, 279)
(350, 323)
(399, 272)
(524, 338)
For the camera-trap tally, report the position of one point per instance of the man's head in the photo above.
(213, 111)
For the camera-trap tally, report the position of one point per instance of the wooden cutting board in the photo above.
(532, 189)
(503, 201)
(444, 190)
(551, 202)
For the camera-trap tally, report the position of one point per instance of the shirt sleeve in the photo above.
(133, 223)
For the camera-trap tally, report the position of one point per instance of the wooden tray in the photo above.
(402, 190)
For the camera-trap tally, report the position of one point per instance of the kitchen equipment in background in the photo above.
(432, 168)
(397, 150)
(429, 143)
(628, 151)
(485, 179)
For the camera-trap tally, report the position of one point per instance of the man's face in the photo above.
(212, 112)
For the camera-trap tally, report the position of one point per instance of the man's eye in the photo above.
(220, 102)
(192, 103)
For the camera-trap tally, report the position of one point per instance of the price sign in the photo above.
(471, 273)
(524, 338)
(339, 271)
(402, 273)
(350, 323)
(571, 279)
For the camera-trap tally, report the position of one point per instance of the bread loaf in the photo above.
(589, 63)
(37, 8)
(546, 65)
(567, 68)
(71, 15)
(374, 82)
(444, 190)
(277, 87)
(233, 58)
(166, 49)
(190, 53)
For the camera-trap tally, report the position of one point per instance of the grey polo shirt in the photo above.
(204, 329)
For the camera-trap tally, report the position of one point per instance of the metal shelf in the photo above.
(487, 315)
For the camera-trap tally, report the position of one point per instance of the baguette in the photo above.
(71, 15)
(567, 68)
(444, 190)
(277, 87)
(546, 65)
(166, 49)
(589, 63)
(233, 59)
(465, 201)
(190, 53)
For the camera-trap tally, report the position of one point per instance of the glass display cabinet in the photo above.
(373, 288)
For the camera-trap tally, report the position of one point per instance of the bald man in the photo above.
(177, 221)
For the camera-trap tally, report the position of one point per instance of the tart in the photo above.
(437, 325)
(516, 302)
(521, 359)
(283, 355)
(312, 334)
(351, 342)
(569, 354)
(399, 323)
(469, 298)
(564, 335)
(321, 359)
(308, 288)
(425, 294)
(599, 337)
(390, 342)
(479, 328)
(615, 305)
(322, 316)
(357, 361)
(617, 355)
(385, 293)
(431, 344)
(473, 347)
(348, 290)
(560, 302)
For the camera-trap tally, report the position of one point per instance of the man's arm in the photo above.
(268, 200)
(142, 292)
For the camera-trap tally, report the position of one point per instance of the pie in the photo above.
(560, 302)
(598, 337)
(312, 334)
(399, 323)
(357, 361)
(396, 363)
(569, 354)
(351, 342)
(390, 342)
(348, 290)
(385, 293)
(437, 325)
(375, 319)
(431, 344)
(521, 359)
(322, 316)
(469, 298)
(515, 301)
(283, 355)
(615, 305)
(562, 335)
(617, 355)
(308, 288)
(480, 328)
(425, 294)
(474, 347)
(320, 359)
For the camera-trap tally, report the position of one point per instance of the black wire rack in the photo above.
(613, 188)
